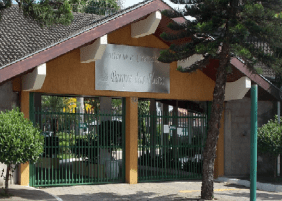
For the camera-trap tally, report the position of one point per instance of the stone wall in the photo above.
(8, 99)
(237, 135)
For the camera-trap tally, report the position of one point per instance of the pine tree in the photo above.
(247, 29)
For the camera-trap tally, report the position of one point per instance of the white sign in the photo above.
(134, 69)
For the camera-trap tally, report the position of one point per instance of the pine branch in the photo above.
(179, 35)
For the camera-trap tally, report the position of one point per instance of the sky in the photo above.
(128, 3)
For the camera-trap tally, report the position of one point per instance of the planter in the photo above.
(48, 163)
(89, 170)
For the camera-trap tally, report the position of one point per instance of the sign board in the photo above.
(134, 69)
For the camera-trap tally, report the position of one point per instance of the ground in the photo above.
(160, 191)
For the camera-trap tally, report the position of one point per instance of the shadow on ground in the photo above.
(27, 194)
(140, 195)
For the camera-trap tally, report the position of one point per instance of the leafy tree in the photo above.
(101, 7)
(143, 107)
(270, 140)
(20, 141)
(221, 29)
(50, 12)
(46, 12)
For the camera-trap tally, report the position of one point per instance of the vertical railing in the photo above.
(71, 154)
(177, 156)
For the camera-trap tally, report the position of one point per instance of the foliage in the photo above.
(66, 142)
(47, 12)
(220, 30)
(102, 7)
(54, 102)
(143, 107)
(53, 12)
(245, 26)
(20, 141)
(270, 138)
(107, 136)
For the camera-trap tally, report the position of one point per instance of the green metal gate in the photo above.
(170, 146)
(79, 148)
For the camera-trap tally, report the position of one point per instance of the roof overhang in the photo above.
(142, 12)
(78, 41)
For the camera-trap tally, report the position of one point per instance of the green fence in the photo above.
(170, 147)
(79, 148)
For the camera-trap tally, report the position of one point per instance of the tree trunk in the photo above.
(209, 153)
(7, 179)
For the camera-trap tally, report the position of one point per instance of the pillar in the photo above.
(131, 140)
(254, 134)
(24, 168)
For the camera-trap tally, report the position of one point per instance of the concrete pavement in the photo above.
(160, 191)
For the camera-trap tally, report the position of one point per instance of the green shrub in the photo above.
(270, 140)
(20, 141)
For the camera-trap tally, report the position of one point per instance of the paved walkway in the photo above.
(161, 191)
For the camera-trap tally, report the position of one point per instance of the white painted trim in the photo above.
(190, 60)
(35, 79)
(147, 26)
(94, 51)
(238, 89)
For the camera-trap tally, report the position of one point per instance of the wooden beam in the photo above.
(147, 26)
(190, 60)
(94, 51)
(35, 79)
(238, 89)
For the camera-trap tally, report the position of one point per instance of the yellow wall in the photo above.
(23, 177)
(66, 75)
(131, 140)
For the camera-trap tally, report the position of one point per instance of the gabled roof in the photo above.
(20, 36)
(25, 45)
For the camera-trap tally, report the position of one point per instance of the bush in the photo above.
(270, 139)
(20, 141)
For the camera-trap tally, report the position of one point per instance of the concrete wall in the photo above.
(237, 135)
(8, 99)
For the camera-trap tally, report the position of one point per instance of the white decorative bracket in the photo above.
(238, 89)
(147, 26)
(94, 51)
(190, 60)
(35, 79)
